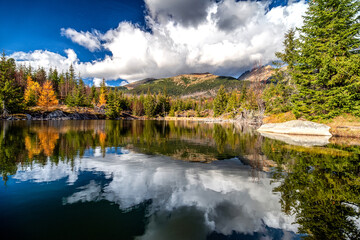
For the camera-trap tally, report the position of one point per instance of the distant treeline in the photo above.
(22, 88)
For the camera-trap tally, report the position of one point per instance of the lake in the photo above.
(172, 180)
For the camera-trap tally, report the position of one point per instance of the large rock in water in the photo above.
(297, 127)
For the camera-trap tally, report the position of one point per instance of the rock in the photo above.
(297, 127)
(299, 140)
(55, 115)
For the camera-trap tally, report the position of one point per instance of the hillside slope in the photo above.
(200, 84)
(261, 74)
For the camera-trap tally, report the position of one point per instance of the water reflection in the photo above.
(219, 197)
(173, 180)
(321, 188)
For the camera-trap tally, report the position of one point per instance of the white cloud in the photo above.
(97, 82)
(46, 59)
(225, 38)
(85, 39)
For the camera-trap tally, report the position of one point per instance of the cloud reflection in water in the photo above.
(222, 196)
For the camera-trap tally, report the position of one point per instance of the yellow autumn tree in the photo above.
(47, 96)
(32, 92)
(102, 97)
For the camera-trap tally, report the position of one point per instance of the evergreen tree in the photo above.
(113, 107)
(149, 105)
(232, 102)
(162, 104)
(290, 53)
(94, 95)
(11, 99)
(327, 69)
(220, 101)
(55, 80)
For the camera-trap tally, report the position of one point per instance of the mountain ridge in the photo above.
(198, 84)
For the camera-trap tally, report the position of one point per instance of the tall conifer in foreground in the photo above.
(327, 71)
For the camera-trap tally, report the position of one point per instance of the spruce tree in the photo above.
(327, 71)
(11, 97)
(232, 102)
(113, 107)
(220, 101)
(290, 53)
(149, 105)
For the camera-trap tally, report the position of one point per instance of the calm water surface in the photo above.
(172, 180)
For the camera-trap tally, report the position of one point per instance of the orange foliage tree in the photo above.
(102, 97)
(32, 92)
(47, 97)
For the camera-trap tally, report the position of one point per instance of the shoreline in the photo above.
(342, 126)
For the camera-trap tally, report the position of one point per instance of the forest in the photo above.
(318, 77)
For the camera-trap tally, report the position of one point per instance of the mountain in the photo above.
(195, 84)
(261, 74)
(198, 84)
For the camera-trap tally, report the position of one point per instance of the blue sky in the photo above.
(31, 25)
(136, 39)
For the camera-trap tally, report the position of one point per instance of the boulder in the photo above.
(55, 115)
(297, 127)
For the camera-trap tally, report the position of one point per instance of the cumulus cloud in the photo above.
(97, 82)
(46, 59)
(186, 12)
(85, 39)
(222, 37)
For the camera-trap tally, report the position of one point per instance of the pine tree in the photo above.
(290, 53)
(149, 104)
(162, 104)
(55, 80)
(232, 102)
(113, 107)
(11, 97)
(220, 101)
(327, 71)
(47, 97)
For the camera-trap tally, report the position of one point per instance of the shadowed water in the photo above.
(172, 180)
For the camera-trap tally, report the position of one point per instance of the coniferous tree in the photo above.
(32, 92)
(113, 107)
(290, 53)
(47, 97)
(103, 94)
(149, 105)
(55, 80)
(11, 97)
(327, 69)
(278, 95)
(232, 102)
(220, 101)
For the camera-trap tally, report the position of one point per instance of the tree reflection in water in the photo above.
(320, 186)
